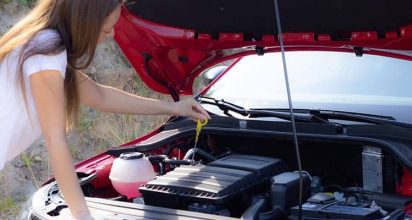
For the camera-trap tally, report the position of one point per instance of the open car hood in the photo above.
(170, 42)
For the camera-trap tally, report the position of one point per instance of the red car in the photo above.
(349, 68)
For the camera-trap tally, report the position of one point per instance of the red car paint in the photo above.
(405, 187)
(176, 56)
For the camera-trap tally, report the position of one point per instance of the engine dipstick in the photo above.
(199, 127)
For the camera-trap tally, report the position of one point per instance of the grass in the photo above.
(115, 130)
(23, 2)
(28, 163)
(106, 130)
(8, 207)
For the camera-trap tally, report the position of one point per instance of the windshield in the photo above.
(321, 80)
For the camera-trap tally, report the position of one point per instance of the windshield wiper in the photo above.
(228, 107)
(303, 115)
(223, 105)
(347, 116)
(359, 117)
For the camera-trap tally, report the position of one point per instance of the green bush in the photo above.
(24, 2)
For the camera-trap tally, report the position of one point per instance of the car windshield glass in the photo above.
(321, 80)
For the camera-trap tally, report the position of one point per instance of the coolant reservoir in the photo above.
(129, 171)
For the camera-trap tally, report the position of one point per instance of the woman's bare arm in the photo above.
(48, 93)
(109, 99)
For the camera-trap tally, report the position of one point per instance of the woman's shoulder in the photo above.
(45, 39)
(45, 52)
(46, 35)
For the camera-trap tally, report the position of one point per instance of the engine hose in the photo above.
(200, 152)
(178, 162)
(256, 211)
(171, 148)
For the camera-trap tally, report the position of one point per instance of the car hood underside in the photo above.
(170, 42)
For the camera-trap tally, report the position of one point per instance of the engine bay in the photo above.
(263, 183)
(255, 177)
(256, 187)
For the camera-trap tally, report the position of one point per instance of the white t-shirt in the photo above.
(17, 130)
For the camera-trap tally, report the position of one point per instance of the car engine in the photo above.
(224, 187)
(234, 180)
(257, 187)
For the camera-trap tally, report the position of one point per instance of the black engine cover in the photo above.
(227, 182)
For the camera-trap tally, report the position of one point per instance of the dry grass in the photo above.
(105, 130)
(8, 204)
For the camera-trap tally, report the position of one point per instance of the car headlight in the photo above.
(36, 202)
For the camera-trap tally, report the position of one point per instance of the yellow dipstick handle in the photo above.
(199, 127)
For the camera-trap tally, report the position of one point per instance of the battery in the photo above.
(335, 210)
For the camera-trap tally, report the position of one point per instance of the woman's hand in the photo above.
(83, 216)
(190, 108)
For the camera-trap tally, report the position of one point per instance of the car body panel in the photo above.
(168, 57)
(105, 209)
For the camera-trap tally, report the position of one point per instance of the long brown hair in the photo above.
(78, 23)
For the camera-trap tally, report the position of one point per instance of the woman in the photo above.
(41, 85)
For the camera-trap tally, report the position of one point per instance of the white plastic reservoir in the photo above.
(129, 171)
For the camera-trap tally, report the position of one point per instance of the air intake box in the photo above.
(226, 182)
